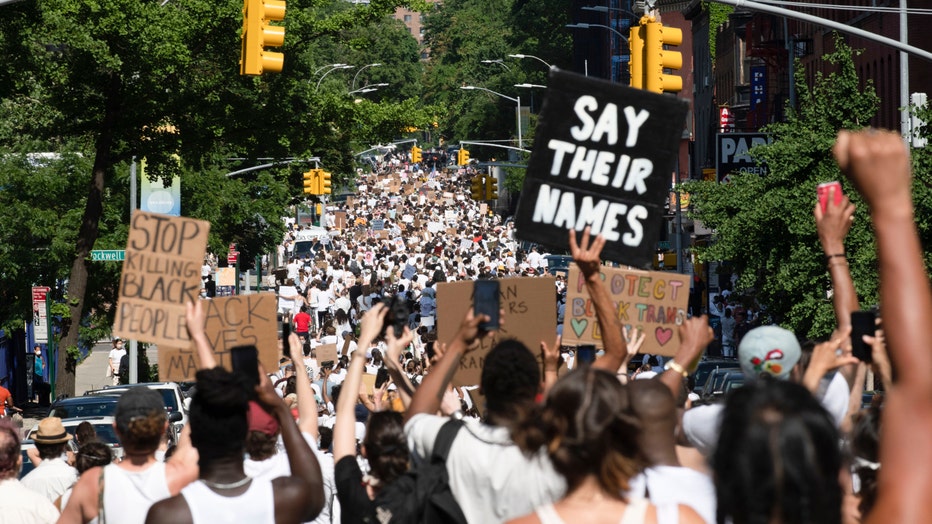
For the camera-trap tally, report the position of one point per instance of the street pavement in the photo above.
(89, 376)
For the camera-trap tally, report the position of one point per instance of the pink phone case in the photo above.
(823, 191)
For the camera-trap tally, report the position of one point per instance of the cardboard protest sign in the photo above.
(603, 157)
(339, 219)
(326, 353)
(226, 276)
(530, 307)
(653, 301)
(369, 381)
(161, 271)
(231, 321)
(483, 208)
(378, 224)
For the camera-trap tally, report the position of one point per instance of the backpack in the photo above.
(423, 495)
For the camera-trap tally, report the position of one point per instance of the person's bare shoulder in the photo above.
(689, 516)
(173, 510)
(530, 518)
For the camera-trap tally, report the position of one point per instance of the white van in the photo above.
(308, 240)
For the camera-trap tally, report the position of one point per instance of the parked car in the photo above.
(103, 426)
(176, 404)
(93, 406)
(706, 367)
(720, 382)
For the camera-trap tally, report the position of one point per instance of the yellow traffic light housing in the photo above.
(491, 188)
(462, 157)
(310, 182)
(478, 187)
(415, 155)
(325, 183)
(258, 34)
(656, 58)
(636, 63)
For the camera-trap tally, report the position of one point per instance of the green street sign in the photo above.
(108, 255)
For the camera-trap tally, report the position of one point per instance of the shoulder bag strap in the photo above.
(445, 439)
(100, 497)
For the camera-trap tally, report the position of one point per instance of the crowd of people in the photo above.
(313, 442)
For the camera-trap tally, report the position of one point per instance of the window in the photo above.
(407, 19)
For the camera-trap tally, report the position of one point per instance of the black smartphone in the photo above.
(862, 323)
(485, 302)
(286, 334)
(585, 354)
(245, 360)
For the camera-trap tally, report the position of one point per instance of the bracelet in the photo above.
(675, 366)
(828, 258)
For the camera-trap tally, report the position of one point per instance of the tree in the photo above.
(117, 79)
(764, 225)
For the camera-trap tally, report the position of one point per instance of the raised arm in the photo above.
(833, 226)
(304, 489)
(307, 405)
(427, 398)
(586, 256)
(551, 359)
(393, 353)
(344, 429)
(695, 334)
(878, 164)
(195, 318)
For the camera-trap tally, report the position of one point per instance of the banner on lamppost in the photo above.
(40, 313)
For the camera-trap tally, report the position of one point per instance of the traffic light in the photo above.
(636, 63)
(462, 157)
(324, 182)
(491, 188)
(258, 34)
(310, 182)
(478, 187)
(415, 155)
(656, 58)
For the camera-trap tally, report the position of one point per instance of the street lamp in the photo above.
(606, 9)
(368, 88)
(530, 86)
(517, 111)
(332, 69)
(360, 71)
(535, 58)
(321, 68)
(588, 26)
(499, 62)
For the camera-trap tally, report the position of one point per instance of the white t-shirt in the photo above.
(701, 424)
(491, 478)
(672, 485)
(115, 356)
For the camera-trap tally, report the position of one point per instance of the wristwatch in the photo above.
(675, 366)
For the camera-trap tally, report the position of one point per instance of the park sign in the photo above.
(161, 272)
(603, 156)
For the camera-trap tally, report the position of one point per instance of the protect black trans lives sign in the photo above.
(603, 157)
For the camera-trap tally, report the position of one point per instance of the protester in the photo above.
(223, 491)
(91, 455)
(123, 492)
(19, 504)
(54, 474)
(592, 442)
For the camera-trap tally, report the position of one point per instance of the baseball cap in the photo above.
(768, 349)
(260, 420)
(137, 402)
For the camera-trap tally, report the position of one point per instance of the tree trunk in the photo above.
(87, 236)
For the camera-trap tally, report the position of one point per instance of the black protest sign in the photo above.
(161, 271)
(603, 157)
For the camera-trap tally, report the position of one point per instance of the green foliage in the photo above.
(764, 225)
(718, 15)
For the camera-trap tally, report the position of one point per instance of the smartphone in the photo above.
(862, 323)
(245, 360)
(823, 190)
(485, 302)
(286, 334)
(585, 354)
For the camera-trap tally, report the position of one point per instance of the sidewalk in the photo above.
(90, 375)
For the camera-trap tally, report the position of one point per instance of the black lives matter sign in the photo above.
(603, 157)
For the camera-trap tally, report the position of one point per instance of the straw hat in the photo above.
(51, 431)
